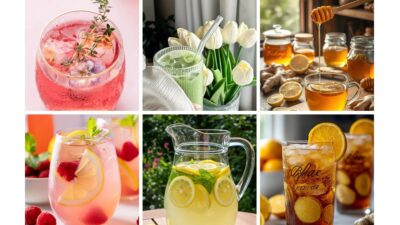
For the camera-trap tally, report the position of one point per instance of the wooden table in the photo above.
(301, 104)
(157, 217)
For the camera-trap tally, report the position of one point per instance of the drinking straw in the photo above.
(207, 36)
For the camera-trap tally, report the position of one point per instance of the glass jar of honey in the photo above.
(277, 46)
(335, 50)
(361, 57)
(303, 44)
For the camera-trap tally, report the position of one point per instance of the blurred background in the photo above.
(158, 153)
(162, 17)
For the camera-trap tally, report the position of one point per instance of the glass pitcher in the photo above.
(200, 188)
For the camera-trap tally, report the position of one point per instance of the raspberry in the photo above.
(128, 152)
(32, 176)
(137, 221)
(31, 214)
(46, 218)
(67, 170)
(44, 174)
(44, 165)
(95, 216)
(29, 171)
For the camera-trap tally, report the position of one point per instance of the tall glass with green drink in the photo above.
(186, 68)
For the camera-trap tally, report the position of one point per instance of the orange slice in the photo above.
(363, 126)
(329, 133)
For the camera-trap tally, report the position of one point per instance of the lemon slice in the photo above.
(209, 161)
(363, 184)
(291, 91)
(201, 198)
(328, 214)
(224, 171)
(363, 126)
(192, 169)
(345, 195)
(342, 177)
(88, 181)
(308, 209)
(128, 178)
(262, 219)
(224, 191)
(329, 133)
(265, 207)
(77, 133)
(299, 64)
(278, 206)
(181, 191)
(275, 100)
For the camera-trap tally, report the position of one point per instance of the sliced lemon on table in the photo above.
(262, 219)
(291, 91)
(278, 207)
(88, 181)
(299, 64)
(128, 176)
(275, 100)
(181, 191)
(308, 209)
(363, 126)
(329, 133)
(265, 207)
(201, 198)
(224, 191)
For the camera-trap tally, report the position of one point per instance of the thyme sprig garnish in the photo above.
(98, 33)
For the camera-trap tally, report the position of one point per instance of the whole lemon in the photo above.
(271, 149)
(272, 165)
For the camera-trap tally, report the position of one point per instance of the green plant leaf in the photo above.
(92, 127)
(217, 76)
(30, 143)
(232, 92)
(217, 91)
(128, 121)
(209, 102)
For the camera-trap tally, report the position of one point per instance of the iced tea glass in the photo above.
(354, 175)
(329, 91)
(84, 183)
(93, 82)
(123, 137)
(309, 183)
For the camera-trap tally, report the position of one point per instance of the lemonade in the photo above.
(201, 192)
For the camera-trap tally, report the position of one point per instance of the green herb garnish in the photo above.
(92, 127)
(205, 178)
(30, 147)
(30, 143)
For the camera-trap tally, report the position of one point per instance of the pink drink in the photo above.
(84, 182)
(94, 83)
(129, 169)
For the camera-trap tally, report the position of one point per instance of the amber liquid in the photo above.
(335, 56)
(326, 95)
(277, 53)
(309, 53)
(359, 67)
(357, 162)
(315, 185)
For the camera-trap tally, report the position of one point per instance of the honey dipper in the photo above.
(324, 13)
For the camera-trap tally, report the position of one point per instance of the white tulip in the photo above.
(242, 74)
(248, 38)
(173, 41)
(191, 40)
(208, 76)
(230, 32)
(181, 35)
(215, 41)
(242, 28)
(200, 32)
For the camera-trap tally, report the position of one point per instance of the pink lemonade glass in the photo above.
(84, 182)
(95, 81)
(126, 141)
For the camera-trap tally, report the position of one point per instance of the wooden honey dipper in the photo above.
(324, 13)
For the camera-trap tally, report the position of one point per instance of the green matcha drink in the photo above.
(186, 68)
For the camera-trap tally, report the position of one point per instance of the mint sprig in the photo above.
(128, 121)
(30, 147)
(30, 143)
(92, 127)
(205, 178)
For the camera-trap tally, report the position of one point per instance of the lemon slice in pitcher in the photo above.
(201, 198)
(181, 191)
(224, 191)
(329, 133)
(88, 181)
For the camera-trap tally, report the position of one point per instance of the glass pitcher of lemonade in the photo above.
(200, 188)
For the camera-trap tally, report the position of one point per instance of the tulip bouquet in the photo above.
(225, 73)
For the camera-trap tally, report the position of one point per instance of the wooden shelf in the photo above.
(357, 13)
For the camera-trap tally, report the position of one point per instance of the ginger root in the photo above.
(276, 75)
(363, 104)
(366, 220)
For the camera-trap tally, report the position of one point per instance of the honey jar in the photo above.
(277, 46)
(303, 44)
(335, 50)
(361, 57)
